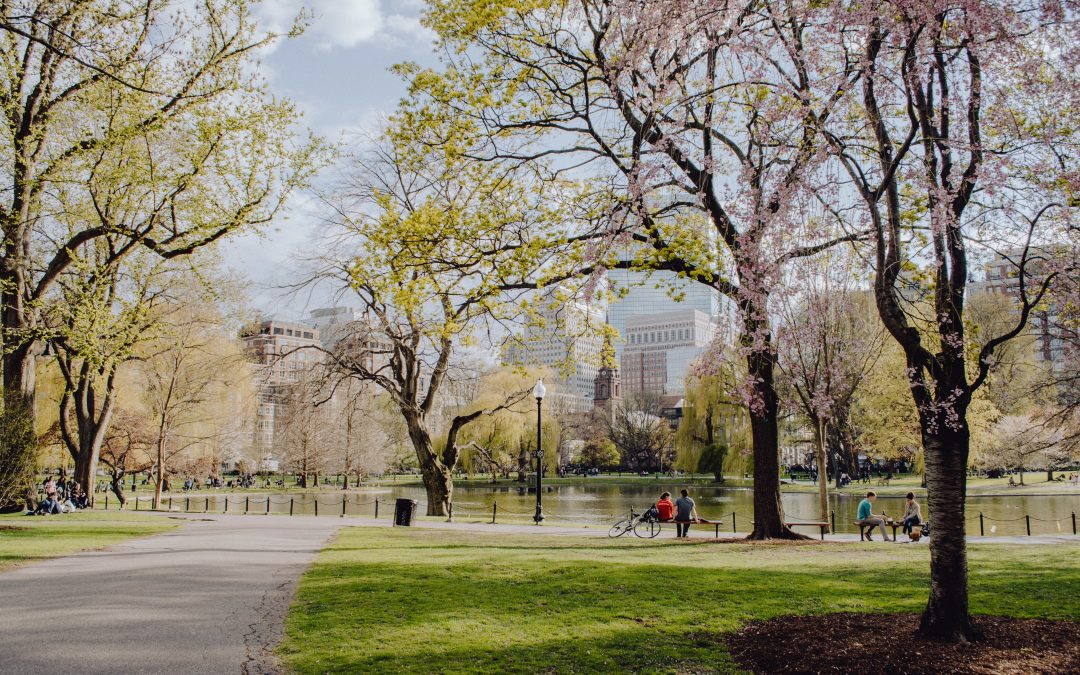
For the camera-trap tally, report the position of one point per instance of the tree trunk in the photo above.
(159, 480)
(1049, 475)
(768, 510)
(946, 617)
(821, 454)
(439, 485)
(118, 488)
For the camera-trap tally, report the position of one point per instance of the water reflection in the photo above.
(602, 503)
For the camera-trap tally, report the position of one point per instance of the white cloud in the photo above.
(343, 24)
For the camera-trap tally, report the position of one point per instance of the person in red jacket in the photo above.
(665, 507)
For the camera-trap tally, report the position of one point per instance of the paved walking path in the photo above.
(208, 597)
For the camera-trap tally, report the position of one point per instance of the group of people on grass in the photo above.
(61, 496)
(867, 517)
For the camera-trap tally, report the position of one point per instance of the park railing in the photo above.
(326, 505)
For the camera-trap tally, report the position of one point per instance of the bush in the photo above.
(18, 453)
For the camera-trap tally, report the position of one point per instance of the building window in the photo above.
(278, 331)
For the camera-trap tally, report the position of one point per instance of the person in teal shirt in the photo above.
(866, 516)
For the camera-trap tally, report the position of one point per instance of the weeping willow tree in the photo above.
(714, 435)
(505, 441)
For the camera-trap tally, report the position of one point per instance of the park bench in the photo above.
(820, 524)
(895, 525)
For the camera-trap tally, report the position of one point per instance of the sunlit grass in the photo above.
(26, 539)
(424, 601)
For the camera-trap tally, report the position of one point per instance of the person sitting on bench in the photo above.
(686, 512)
(665, 508)
(913, 515)
(867, 517)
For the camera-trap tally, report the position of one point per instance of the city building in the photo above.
(1002, 277)
(281, 353)
(565, 336)
(639, 293)
(659, 349)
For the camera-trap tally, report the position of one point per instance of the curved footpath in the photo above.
(208, 597)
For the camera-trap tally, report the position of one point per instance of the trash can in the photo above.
(404, 512)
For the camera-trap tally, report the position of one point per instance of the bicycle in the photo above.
(625, 525)
(642, 525)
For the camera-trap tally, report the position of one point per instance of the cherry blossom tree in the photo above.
(695, 139)
(961, 135)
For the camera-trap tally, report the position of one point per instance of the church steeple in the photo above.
(607, 386)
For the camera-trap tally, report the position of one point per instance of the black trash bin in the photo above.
(404, 512)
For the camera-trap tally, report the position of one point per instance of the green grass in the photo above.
(26, 539)
(440, 602)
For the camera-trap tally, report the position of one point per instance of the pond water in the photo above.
(602, 504)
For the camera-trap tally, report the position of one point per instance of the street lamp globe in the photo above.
(539, 391)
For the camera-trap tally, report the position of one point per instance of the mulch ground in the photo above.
(886, 643)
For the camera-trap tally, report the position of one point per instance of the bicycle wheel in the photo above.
(619, 529)
(647, 529)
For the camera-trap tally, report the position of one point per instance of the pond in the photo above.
(603, 503)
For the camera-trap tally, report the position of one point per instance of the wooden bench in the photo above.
(895, 525)
(822, 525)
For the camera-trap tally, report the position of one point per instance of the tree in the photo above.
(829, 342)
(639, 431)
(930, 144)
(18, 452)
(1023, 442)
(304, 426)
(430, 251)
(141, 124)
(186, 381)
(714, 433)
(125, 449)
(597, 450)
(695, 140)
(105, 312)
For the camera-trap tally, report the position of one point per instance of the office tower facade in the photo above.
(638, 293)
(280, 358)
(660, 348)
(567, 338)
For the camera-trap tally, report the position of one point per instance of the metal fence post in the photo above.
(247, 500)
(316, 505)
(187, 504)
(291, 501)
(343, 502)
(226, 504)
(1073, 517)
(170, 502)
(832, 519)
(376, 508)
(136, 503)
(450, 517)
(733, 522)
(495, 511)
(1027, 519)
(206, 505)
(982, 533)
(267, 504)
(107, 508)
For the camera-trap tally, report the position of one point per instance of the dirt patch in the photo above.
(886, 643)
(11, 528)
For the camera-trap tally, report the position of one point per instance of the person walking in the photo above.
(685, 513)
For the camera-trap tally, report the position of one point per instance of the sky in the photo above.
(337, 72)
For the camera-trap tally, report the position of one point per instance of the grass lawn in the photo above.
(431, 602)
(25, 539)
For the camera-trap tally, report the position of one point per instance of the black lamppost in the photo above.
(538, 391)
